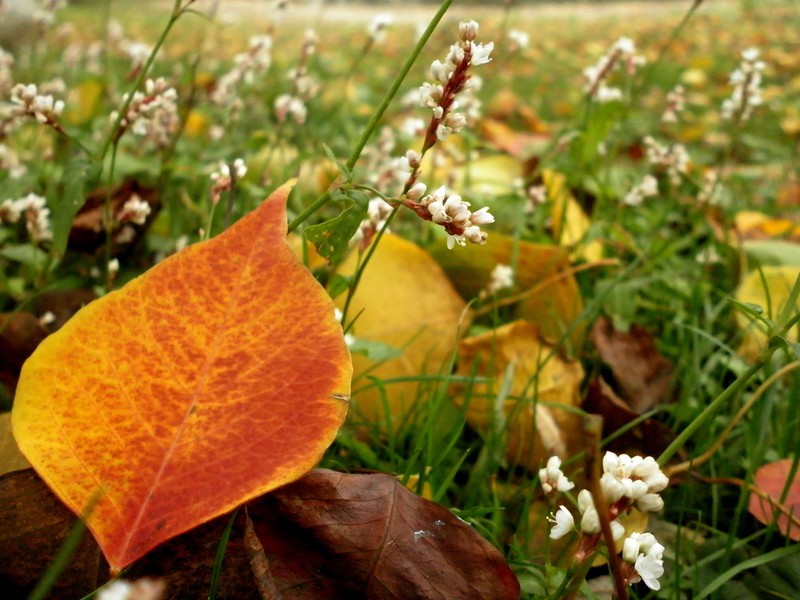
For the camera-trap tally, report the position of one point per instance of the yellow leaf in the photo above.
(542, 390)
(570, 223)
(549, 295)
(83, 101)
(406, 301)
(772, 298)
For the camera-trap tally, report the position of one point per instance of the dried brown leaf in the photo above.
(331, 535)
(643, 377)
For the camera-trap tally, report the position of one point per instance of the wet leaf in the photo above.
(642, 375)
(772, 479)
(212, 378)
(540, 407)
(331, 238)
(331, 535)
(404, 301)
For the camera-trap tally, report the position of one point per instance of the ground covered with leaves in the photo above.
(523, 292)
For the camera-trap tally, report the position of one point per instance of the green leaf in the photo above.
(79, 174)
(331, 237)
(25, 254)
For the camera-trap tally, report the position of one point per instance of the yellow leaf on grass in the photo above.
(404, 300)
(771, 297)
(544, 388)
(553, 302)
(570, 223)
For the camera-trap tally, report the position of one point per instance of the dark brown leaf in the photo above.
(34, 524)
(62, 304)
(331, 535)
(649, 437)
(643, 377)
(20, 334)
(88, 234)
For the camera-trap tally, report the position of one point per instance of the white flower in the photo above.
(480, 53)
(563, 523)
(646, 554)
(134, 210)
(632, 478)
(551, 477)
(377, 27)
(519, 39)
(501, 278)
(468, 30)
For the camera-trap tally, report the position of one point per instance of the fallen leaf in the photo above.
(753, 225)
(214, 377)
(649, 438)
(772, 479)
(11, 458)
(767, 288)
(537, 426)
(62, 304)
(34, 524)
(554, 301)
(20, 334)
(330, 535)
(406, 301)
(88, 234)
(570, 222)
(642, 375)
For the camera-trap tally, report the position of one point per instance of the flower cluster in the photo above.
(645, 189)
(225, 178)
(304, 86)
(37, 215)
(517, 40)
(450, 211)
(673, 159)
(451, 77)
(29, 102)
(623, 52)
(676, 102)
(135, 210)
(746, 82)
(9, 163)
(501, 278)
(627, 483)
(152, 114)
(378, 210)
(256, 60)
(377, 28)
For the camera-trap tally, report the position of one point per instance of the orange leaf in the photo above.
(211, 379)
(772, 479)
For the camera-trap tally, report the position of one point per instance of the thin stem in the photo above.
(114, 133)
(378, 114)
